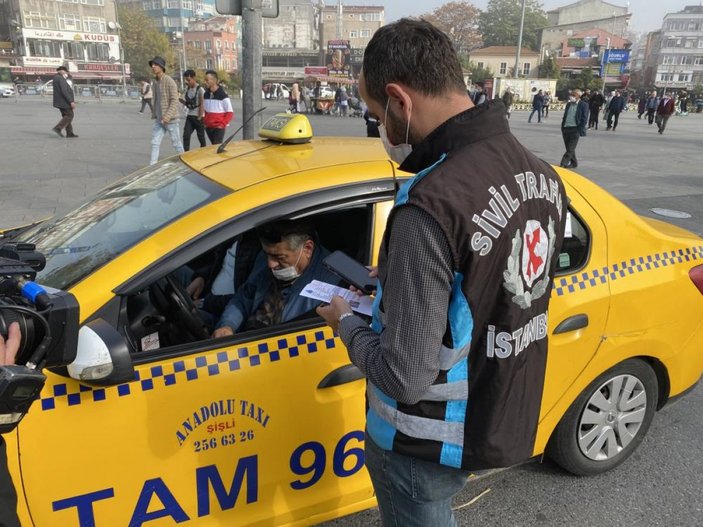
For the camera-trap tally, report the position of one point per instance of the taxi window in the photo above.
(118, 218)
(575, 250)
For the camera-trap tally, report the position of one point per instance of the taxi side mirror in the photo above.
(103, 355)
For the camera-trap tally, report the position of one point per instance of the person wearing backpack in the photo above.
(193, 101)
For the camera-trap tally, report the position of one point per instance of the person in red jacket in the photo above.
(664, 110)
(218, 109)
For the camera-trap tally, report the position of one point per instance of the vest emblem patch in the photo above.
(526, 274)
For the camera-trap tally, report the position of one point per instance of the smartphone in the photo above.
(350, 271)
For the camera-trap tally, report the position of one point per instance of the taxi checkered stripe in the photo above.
(595, 277)
(191, 369)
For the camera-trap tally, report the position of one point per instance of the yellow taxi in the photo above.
(266, 427)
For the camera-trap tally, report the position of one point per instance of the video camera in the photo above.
(48, 321)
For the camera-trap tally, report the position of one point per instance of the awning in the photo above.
(33, 70)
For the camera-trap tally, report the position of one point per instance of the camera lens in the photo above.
(28, 329)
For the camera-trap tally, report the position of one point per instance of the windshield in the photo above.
(118, 218)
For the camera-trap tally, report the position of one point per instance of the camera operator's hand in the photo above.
(9, 348)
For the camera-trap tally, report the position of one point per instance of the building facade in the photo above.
(293, 28)
(566, 21)
(680, 57)
(213, 44)
(500, 60)
(37, 36)
(357, 24)
(173, 17)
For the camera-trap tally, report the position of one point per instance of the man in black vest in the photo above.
(63, 100)
(456, 355)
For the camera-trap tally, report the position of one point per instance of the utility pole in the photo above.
(340, 20)
(519, 42)
(251, 66)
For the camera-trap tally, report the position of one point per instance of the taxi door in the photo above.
(267, 429)
(578, 308)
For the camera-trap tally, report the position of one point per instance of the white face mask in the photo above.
(397, 153)
(572, 99)
(288, 274)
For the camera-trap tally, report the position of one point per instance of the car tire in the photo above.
(608, 421)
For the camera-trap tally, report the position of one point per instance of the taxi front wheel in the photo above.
(607, 421)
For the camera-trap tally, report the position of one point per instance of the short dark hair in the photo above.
(415, 53)
(211, 72)
(188, 74)
(295, 232)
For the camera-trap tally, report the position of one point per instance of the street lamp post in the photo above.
(121, 49)
(519, 42)
(604, 64)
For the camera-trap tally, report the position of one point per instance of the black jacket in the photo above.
(63, 93)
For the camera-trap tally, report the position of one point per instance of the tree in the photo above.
(142, 41)
(500, 23)
(479, 74)
(459, 20)
(549, 69)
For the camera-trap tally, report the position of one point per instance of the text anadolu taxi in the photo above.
(267, 427)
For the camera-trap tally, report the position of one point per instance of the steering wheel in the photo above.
(173, 301)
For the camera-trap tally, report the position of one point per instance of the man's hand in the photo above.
(225, 331)
(196, 287)
(73, 106)
(164, 121)
(373, 273)
(9, 348)
(331, 313)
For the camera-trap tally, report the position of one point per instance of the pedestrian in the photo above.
(546, 101)
(147, 95)
(642, 106)
(448, 277)
(665, 109)
(594, 107)
(193, 99)
(294, 98)
(371, 125)
(479, 95)
(651, 106)
(343, 102)
(165, 109)
(64, 101)
(573, 126)
(218, 109)
(537, 102)
(508, 101)
(337, 100)
(683, 102)
(307, 99)
(615, 107)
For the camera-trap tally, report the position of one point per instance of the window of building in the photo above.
(73, 51)
(503, 68)
(198, 44)
(666, 77)
(700, 43)
(219, 44)
(39, 20)
(93, 2)
(526, 69)
(689, 43)
(684, 77)
(353, 34)
(687, 60)
(173, 4)
(98, 51)
(693, 26)
(94, 24)
(668, 59)
(44, 48)
(208, 44)
(370, 17)
(479, 65)
(365, 33)
(676, 26)
(70, 22)
(698, 61)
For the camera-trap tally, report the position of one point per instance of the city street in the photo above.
(42, 175)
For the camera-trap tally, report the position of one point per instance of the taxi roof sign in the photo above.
(287, 128)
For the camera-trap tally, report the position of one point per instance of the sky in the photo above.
(647, 15)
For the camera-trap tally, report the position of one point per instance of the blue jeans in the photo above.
(157, 135)
(412, 492)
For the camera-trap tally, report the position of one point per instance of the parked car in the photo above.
(275, 90)
(266, 427)
(7, 91)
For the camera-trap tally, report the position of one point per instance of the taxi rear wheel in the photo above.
(608, 420)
